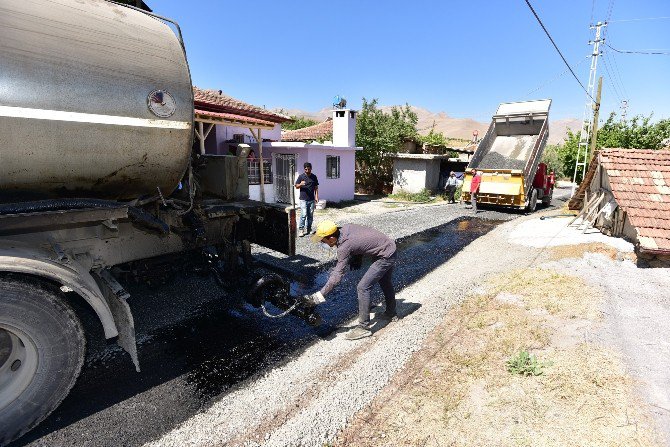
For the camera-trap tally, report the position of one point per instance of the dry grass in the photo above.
(456, 391)
(560, 295)
(578, 251)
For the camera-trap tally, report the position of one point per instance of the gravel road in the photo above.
(215, 372)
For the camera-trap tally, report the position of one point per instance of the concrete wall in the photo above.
(413, 175)
(332, 190)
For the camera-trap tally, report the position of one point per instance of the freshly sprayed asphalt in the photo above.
(199, 344)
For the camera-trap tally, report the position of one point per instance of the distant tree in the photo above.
(435, 139)
(552, 158)
(298, 122)
(381, 135)
(636, 133)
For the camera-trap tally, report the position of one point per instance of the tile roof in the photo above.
(216, 101)
(640, 182)
(241, 119)
(316, 132)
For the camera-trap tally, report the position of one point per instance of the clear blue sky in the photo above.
(460, 57)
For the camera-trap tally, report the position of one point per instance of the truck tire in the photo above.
(546, 200)
(532, 203)
(42, 348)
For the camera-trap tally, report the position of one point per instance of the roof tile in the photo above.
(217, 101)
(316, 132)
(640, 182)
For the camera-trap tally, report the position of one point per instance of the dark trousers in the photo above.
(451, 190)
(381, 271)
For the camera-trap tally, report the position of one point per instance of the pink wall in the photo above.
(332, 190)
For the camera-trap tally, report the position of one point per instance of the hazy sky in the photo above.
(460, 57)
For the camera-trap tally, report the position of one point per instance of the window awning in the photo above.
(231, 119)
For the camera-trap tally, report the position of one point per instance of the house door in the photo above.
(284, 172)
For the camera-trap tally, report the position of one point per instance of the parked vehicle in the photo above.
(98, 170)
(509, 158)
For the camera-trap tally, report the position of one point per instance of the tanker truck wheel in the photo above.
(42, 349)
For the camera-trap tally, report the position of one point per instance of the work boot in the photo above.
(358, 332)
(301, 232)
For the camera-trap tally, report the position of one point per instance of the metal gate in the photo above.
(284, 172)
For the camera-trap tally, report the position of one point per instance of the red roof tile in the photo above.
(640, 182)
(216, 101)
(316, 132)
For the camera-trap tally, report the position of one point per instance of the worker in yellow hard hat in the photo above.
(353, 242)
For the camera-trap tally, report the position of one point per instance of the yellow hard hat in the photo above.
(325, 228)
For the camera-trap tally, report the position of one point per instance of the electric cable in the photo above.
(557, 49)
(637, 20)
(662, 52)
(543, 85)
(609, 79)
(618, 74)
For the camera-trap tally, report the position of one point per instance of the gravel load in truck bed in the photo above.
(508, 152)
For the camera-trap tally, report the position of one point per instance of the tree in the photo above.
(298, 123)
(637, 133)
(435, 139)
(381, 135)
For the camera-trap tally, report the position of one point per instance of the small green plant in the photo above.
(524, 364)
(421, 196)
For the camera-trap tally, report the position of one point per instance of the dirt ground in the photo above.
(566, 387)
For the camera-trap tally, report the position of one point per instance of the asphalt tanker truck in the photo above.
(99, 179)
(509, 155)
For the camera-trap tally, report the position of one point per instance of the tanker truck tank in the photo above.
(95, 101)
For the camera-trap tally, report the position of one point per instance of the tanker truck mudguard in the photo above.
(98, 172)
(509, 155)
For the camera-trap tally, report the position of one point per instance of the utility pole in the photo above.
(624, 110)
(587, 121)
(596, 114)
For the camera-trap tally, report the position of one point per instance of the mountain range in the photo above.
(452, 127)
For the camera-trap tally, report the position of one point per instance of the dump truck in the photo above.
(508, 158)
(100, 179)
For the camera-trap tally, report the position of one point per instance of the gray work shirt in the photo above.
(357, 240)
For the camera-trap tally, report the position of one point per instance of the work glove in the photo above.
(356, 262)
(313, 299)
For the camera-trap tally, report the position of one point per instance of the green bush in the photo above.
(421, 196)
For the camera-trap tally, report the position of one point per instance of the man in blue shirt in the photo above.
(308, 185)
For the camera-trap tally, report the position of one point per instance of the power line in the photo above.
(559, 51)
(618, 75)
(663, 52)
(609, 79)
(637, 20)
(593, 7)
(549, 81)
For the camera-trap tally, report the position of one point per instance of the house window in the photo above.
(238, 138)
(254, 172)
(332, 166)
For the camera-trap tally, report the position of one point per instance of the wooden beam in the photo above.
(231, 122)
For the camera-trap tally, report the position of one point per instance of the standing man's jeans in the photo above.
(381, 271)
(473, 201)
(306, 213)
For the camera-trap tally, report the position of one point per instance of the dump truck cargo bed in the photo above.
(509, 154)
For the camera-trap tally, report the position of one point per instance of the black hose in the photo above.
(137, 215)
